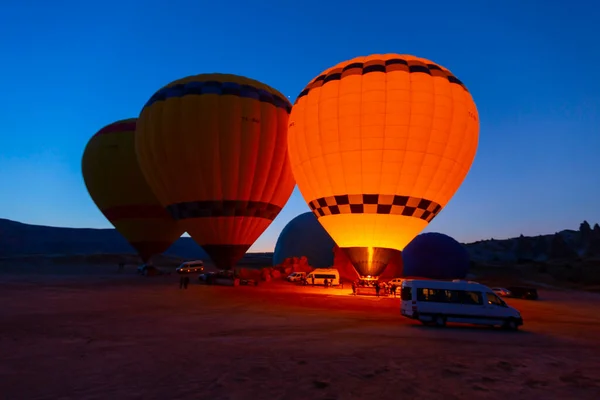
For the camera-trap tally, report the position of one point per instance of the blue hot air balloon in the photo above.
(435, 256)
(305, 236)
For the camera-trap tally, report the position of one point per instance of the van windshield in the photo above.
(495, 300)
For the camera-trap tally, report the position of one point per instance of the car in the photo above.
(151, 270)
(224, 277)
(249, 282)
(396, 282)
(142, 268)
(296, 277)
(190, 266)
(204, 277)
(438, 302)
(501, 291)
(523, 292)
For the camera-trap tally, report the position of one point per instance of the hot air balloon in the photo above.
(115, 183)
(305, 236)
(436, 256)
(378, 146)
(214, 149)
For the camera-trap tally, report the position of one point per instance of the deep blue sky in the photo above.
(70, 67)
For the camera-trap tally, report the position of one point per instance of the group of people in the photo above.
(382, 288)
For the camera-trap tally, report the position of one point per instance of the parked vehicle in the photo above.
(319, 275)
(225, 278)
(151, 270)
(248, 282)
(501, 291)
(140, 269)
(396, 281)
(190, 266)
(438, 302)
(523, 292)
(296, 276)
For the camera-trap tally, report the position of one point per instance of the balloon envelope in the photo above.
(116, 185)
(304, 236)
(378, 146)
(436, 256)
(213, 147)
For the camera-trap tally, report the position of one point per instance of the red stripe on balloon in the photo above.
(135, 211)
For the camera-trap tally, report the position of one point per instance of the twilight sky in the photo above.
(71, 67)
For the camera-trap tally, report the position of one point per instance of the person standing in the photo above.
(377, 288)
(353, 288)
(186, 282)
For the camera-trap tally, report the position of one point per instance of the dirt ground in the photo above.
(92, 333)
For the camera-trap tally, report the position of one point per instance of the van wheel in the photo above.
(439, 321)
(511, 324)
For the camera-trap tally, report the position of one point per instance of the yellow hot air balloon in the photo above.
(214, 149)
(116, 184)
(378, 146)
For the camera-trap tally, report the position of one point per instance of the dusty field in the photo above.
(96, 334)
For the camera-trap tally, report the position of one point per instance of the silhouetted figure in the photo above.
(393, 289)
(186, 282)
(181, 282)
(313, 280)
(353, 288)
(377, 288)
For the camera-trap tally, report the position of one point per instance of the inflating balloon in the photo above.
(214, 149)
(116, 185)
(304, 236)
(436, 256)
(378, 146)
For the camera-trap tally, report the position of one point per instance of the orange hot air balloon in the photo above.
(378, 146)
(214, 149)
(115, 183)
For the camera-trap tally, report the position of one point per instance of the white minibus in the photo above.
(318, 276)
(438, 302)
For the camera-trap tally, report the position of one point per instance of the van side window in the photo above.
(426, 294)
(451, 296)
(471, 298)
(324, 276)
(438, 295)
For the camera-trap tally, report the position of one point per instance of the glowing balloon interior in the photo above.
(214, 149)
(378, 146)
(118, 188)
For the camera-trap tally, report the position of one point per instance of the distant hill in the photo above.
(564, 245)
(19, 239)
